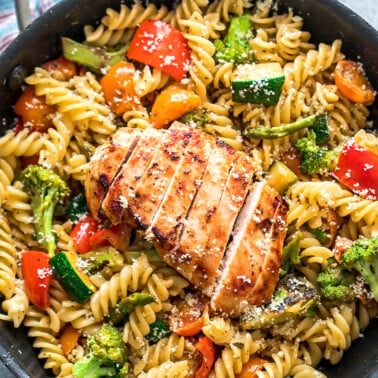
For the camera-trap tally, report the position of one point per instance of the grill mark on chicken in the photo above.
(195, 234)
(105, 164)
(245, 255)
(169, 219)
(116, 201)
(232, 200)
(152, 187)
(268, 278)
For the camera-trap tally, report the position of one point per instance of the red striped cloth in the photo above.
(8, 20)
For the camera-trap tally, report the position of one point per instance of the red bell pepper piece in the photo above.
(88, 235)
(82, 233)
(37, 277)
(117, 236)
(187, 320)
(161, 46)
(357, 168)
(206, 347)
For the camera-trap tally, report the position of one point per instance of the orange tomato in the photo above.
(352, 82)
(187, 319)
(206, 347)
(61, 68)
(119, 89)
(172, 104)
(34, 111)
(251, 367)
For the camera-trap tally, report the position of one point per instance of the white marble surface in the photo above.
(368, 9)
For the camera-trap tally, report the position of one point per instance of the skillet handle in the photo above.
(23, 13)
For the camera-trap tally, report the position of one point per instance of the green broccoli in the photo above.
(94, 58)
(290, 255)
(101, 257)
(336, 283)
(47, 191)
(281, 131)
(107, 355)
(158, 330)
(315, 159)
(235, 47)
(197, 118)
(120, 312)
(363, 257)
(294, 297)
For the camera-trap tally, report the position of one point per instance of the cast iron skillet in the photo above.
(326, 19)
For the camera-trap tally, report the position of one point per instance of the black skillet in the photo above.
(326, 19)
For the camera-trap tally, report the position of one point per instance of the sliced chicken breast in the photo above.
(238, 183)
(245, 255)
(105, 163)
(116, 202)
(153, 185)
(268, 278)
(168, 222)
(196, 233)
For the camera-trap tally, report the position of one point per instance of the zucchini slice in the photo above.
(280, 177)
(75, 282)
(320, 127)
(258, 83)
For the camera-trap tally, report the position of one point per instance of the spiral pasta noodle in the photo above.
(45, 340)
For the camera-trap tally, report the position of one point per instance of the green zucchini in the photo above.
(258, 83)
(320, 128)
(75, 282)
(280, 177)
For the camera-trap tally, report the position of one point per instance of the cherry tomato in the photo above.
(34, 111)
(61, 68)
(251, 367)
(352, 82)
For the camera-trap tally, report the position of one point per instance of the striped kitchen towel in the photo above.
(8, 20)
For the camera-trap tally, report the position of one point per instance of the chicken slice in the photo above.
(152, 187)
(105, 163)
(166, 227)
(196, 233)
(229, 207)
(115, 202)
(245, 254)
(268, 278)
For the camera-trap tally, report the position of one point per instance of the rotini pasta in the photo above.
(123, 286)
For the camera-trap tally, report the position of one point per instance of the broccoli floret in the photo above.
(101, 257)
(47, 191)
(121, 311)
(235, 47)
(290, 255)
(281, 131)
(294, 297)
(93, 367)
(363, 257)
(197, 118)
(315, 159)
(107, 355)
(336, 283)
